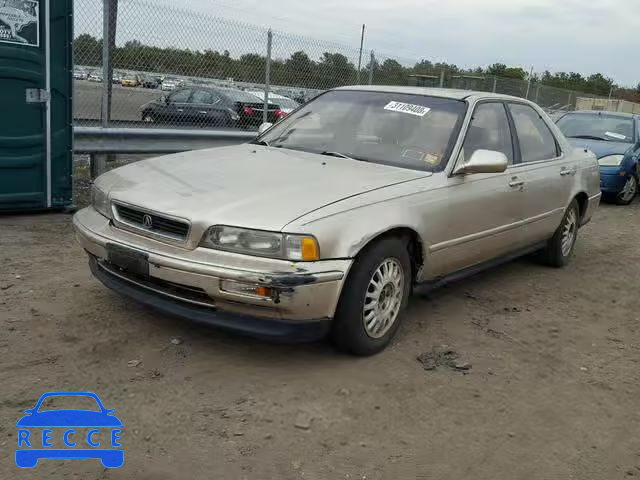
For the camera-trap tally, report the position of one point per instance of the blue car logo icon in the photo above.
(66, 422)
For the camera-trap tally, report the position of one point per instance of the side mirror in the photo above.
(483, 161)
(29, 410)
(264, 127)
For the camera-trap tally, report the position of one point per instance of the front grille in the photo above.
(160, 225)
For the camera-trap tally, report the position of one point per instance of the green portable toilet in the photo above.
(36, 134)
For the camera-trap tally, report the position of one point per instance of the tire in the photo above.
(626, 196)
(148, 118)
(558, 252)
(349, 332)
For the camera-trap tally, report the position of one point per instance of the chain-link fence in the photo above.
(174, 67)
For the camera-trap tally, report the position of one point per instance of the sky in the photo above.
(585, 36)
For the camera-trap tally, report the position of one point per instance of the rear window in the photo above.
(240, 96)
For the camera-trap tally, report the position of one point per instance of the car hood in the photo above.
(69, 418)
(601, 148)
(246, 185)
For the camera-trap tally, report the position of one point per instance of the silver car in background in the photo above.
(325, 223)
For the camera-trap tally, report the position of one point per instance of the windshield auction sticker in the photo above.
(19, 22)
(417, 110)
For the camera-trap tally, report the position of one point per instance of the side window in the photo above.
(489, 130)
(536, 140)
(201, 96)
(180, 96)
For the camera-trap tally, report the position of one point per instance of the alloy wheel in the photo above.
(383, 298)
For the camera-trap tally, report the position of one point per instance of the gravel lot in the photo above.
(553, 390)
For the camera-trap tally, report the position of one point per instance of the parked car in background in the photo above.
(211, 106)
(131, 81)
(95, 77)
(325, 222)
(286, 105)
(116, 77)
(169, 84)
(150, 82)
(615, 139)
(80, 75)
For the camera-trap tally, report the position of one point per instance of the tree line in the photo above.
(330, 70)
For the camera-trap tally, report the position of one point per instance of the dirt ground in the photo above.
(553, 390)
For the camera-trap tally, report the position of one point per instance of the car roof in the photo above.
(433, 92)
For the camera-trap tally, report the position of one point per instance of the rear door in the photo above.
(35, 86)
(547, 173)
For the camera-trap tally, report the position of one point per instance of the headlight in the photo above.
(611, 161)
(263, 244)
(100, 201)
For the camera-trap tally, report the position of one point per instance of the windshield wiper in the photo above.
(589, 137)
(342, 155)
(259, 142)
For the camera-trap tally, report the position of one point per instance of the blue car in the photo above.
(32, 446)
(615, 139)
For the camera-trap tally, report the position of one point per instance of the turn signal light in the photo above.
(310, 250)
(246, 289)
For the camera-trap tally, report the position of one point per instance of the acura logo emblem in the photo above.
(147, 222)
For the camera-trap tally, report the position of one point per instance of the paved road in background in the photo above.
(125, 106)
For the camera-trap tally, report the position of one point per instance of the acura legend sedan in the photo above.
(324, 224)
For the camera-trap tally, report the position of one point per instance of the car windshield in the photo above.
(131, 77)
(398, 129)
(597, 126)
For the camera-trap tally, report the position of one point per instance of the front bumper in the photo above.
(187, 283)
(611, 181)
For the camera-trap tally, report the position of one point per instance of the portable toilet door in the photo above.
(36, 134)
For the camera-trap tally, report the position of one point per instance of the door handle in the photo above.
(564, 171)
(203, 112)
(516, 183)
(180, 110)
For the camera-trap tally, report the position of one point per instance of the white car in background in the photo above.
(286, 104)
(169, 84)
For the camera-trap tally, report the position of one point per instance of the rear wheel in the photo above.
(628, 192)
(373, 298)
(559, 248)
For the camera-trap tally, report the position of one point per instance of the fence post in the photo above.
(442, 78)
(267, 76)
(371, 63)
(109, 22)
(569, 102)
(495, 83)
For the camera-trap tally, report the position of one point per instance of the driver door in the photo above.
(176, 109)
(483, 214)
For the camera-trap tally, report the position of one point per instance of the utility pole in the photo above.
(360, 57)
(529, 83)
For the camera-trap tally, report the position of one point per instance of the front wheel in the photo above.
(148, 118)
(628, 192)
(558, 251)
(373, 298)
